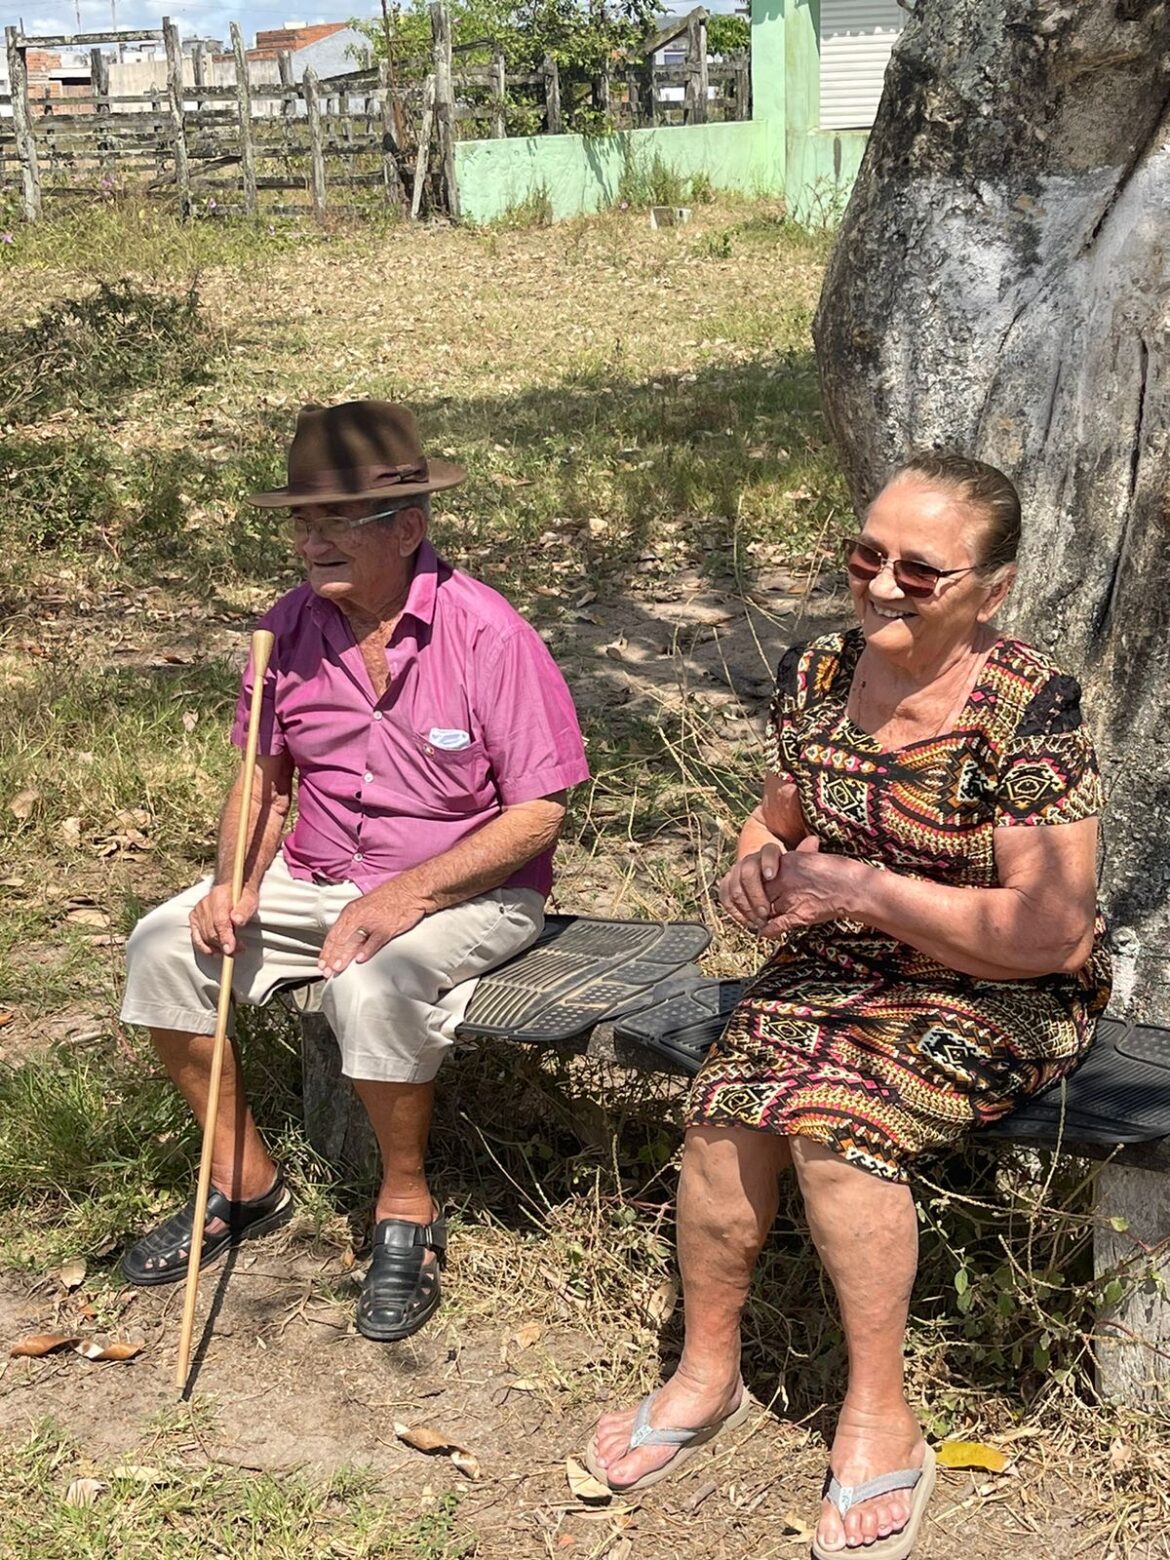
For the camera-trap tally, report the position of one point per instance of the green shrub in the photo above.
(654, 182)
(89, 352)
(533, 210)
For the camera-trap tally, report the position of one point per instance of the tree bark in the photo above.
(1000, 284)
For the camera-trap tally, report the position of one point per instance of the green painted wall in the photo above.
(819, 165)
(582, 173)
(780, 150)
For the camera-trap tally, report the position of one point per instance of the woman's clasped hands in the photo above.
(773, 891)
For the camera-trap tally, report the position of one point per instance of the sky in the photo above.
(202, 18)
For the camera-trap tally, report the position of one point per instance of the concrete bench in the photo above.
(630, 992)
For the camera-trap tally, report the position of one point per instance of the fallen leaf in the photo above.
(523, 1384)
(583, 1485)
(34, 1345)
(72, 1274)
(23, 802)
(138, 1474)
(621, 1550)
(566, 1541)
(69, 831)
(83, 1492)
(190, 719)
(972, 1454)
(524, 1337)
(435, 1443)
(797, 1528)
(661, 1304)
(93, 1350)
(88, 917)
(6, 1016)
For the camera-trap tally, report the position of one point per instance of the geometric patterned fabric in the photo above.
(856, 1039)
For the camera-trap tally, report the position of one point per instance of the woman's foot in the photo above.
(867, 1444)
(681, 1404)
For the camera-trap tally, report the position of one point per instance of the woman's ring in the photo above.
(362, 933)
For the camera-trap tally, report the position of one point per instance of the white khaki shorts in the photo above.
(394, 1017)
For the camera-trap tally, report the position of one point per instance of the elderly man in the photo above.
(432, 740)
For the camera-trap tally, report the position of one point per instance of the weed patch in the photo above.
(173, 1510)
(88, 353)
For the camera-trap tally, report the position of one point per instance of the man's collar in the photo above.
(420, 599)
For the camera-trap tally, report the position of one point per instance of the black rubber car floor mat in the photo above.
(681, 1026)
(578, 972)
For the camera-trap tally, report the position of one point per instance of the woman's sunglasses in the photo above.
(918, 580)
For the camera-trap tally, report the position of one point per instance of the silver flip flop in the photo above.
(897, 1546)
(688, 1442)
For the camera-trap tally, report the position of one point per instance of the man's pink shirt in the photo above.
(476, 718)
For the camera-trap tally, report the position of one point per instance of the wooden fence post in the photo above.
(199, 75)
(632, 97)
(288, 106)
(651, 90)
(601, 91)
(444, 114)
(422, 157)
(696, 90)
(552, 96)
(316, 146)
(178, 131)
(391, 178)
(99, 76)
(26, 146)
(499, 95)
(244, 106)
(743, 85)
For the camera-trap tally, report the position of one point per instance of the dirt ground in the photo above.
(283, 1382)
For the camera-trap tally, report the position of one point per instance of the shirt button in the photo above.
(367, 776)
(357, 855)
(377, 714)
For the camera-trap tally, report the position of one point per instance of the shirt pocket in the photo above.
(452, 780)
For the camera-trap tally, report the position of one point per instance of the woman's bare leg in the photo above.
(866, 1233)
(727, 1197)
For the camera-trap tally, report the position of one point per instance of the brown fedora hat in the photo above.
(360, 449)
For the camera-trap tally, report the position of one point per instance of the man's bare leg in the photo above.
(400, 1114)
(241, 1166)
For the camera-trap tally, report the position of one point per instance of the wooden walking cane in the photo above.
(262, 642)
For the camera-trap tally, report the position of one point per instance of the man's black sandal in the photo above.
(160, 1257)
(399, 1294)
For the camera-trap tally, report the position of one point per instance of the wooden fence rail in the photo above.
(361, 130)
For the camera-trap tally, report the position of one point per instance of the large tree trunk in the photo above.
(1000, 284)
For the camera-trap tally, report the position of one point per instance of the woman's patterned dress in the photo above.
(853, 1038)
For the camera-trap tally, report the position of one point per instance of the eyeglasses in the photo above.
(914, 579)
(330, 527)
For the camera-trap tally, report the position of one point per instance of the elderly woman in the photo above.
(924, 860)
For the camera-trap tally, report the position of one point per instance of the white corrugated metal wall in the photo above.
(856, 39)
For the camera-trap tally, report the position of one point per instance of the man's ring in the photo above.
(362, 933)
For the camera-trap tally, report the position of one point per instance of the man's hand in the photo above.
(214, 920)
(369, 923)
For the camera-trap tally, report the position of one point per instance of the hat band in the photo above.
(358, 479)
